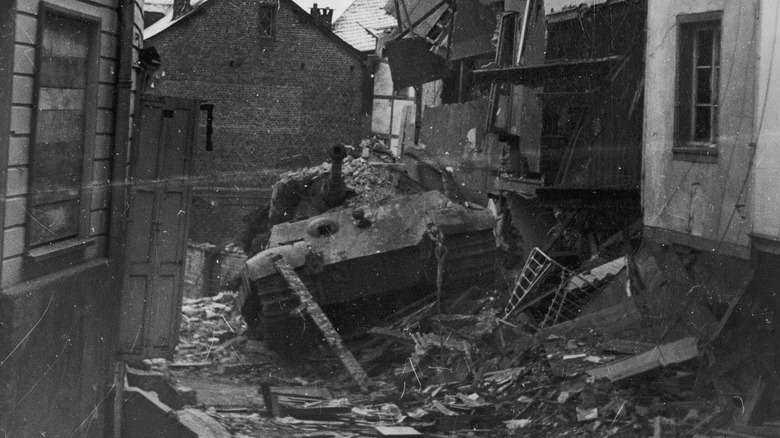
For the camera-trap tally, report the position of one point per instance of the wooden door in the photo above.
(158, 212)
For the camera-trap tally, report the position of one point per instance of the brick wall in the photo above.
(216, 214)
(274, 98)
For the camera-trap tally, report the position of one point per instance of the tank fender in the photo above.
(261, 265)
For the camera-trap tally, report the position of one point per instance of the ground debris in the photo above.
(466, 370)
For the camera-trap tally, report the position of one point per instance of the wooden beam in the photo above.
(660, 356)
(420, 20)
(323, 323)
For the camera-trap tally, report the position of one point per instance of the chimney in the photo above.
(323, 16)
(180, 7)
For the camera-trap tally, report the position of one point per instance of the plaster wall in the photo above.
(766, 190)
(696, 200)
(390, 110)
(59, 315)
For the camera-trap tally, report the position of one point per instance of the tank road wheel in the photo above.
(270, 313)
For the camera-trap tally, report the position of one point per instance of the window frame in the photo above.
(266, 10)
(689, 27)
(82, 239)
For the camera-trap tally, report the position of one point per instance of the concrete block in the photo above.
(166, 390)
(145, 416)
(187, 395)
(202, 425)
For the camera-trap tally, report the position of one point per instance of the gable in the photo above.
(169, 24)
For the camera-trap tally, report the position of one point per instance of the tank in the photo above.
(360, 263)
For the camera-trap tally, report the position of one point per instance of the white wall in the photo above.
(388, 111)
(690, 200)
(766, 195)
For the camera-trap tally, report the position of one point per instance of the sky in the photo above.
(338, 6)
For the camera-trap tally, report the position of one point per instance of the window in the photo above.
(63, 142)
(266, 21)
(698, 82)
(404, 93)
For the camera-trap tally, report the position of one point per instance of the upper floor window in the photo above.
(698, 80)
(266, 21)
(61, 155)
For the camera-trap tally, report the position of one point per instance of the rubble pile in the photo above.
(480, 371)
(371, 178)
(461, 367)
(367, 174)
(209, 330)
(564, 351)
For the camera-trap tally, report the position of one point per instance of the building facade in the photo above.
(699, 138)
(67, 87)
(566, 104)
(283, 86)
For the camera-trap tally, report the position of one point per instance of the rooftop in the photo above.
(360, 21)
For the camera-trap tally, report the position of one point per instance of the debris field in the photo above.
(546, 350)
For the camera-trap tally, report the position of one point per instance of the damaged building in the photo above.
(433, 49)
(566, 102)
(710, 237)
(566, 225)
(282, 86)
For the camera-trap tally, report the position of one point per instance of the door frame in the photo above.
(159, 187)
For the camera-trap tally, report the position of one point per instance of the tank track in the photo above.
(269, 308)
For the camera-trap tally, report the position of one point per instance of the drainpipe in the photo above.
(418, 103)
(127, 11)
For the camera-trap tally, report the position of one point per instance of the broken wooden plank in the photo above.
(503, 376)
(625, 346)
(326, 410)
(296, 401)
(618, 315)
(184, 365)
(597, 274)
(397, 431)
(426, 340)
(736, 432)
(310, 392)
(390, 334)
(323, 323)
(443, 409)
(660, 356)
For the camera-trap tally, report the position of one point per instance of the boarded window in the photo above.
(698, 81)
(266, 21)
(63, 96)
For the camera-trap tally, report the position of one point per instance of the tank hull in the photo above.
(344, 260)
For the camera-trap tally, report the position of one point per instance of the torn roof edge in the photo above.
(167, 21)
(197, 5)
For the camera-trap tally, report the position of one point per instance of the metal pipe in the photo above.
(333, 190)
(337, 153)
